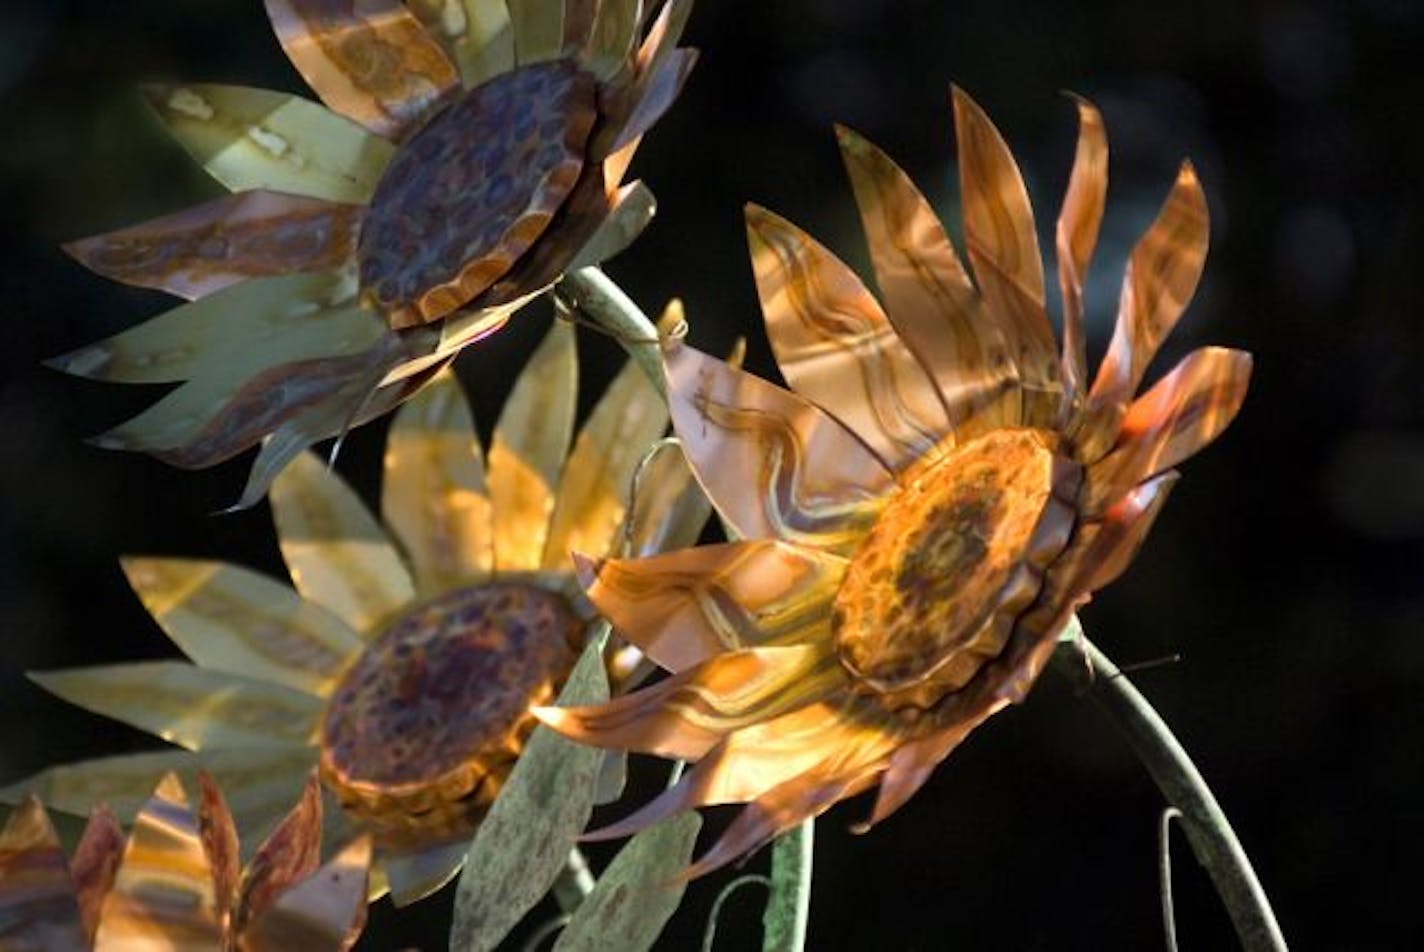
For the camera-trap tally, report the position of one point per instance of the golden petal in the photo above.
(531, 442)
(256, 233)
(835, 346)
(325, 911)
(928, 296)
(1075, 238)
(774, 465)
(1161, 277)
(288, 855)
(684, 606)
(371, 61)
(163, 894)
(190, 706)
(433, 493)
(38, 906)
(255, 138)
(598, 477)
(538, 29)
(612, 37)
(1003, 251)
(1108, 547)
(664, 34)
(255, 324)
(338, 555)
(232, 619)
(259, 783)
(475, 33)
(218, 832)
(684, 716)
(1185, 411)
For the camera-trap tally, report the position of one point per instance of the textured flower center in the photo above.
(957, 554)
(473, 189)
(424, 726)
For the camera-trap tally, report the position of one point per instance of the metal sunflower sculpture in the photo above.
(471, 155)
(178, 882)
(403, 664)
(919, 519)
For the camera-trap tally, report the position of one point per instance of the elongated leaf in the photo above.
(526, 838)
(637, 893)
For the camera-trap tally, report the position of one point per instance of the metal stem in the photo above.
(788, 909)
(595, 295)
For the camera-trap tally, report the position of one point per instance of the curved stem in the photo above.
(1208, 831)
(788, 909)
(595, 295)
(574, 884)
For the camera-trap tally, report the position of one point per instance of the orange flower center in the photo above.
(956, 555)
(425, 725)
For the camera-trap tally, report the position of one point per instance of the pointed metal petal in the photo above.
(413, 877)
(290, 853)
(531, 442)
(337, 553)
(632, 212)
(38, 907)
(538, 29)
(218, 833)
(612, 37)
(1075, 237)
(475, 33)
(1109, 547)
(255, 138)
(95, 863)
(324, 912)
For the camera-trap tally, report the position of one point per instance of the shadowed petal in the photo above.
(95, 863)
(1184, 412)
(338, 555)
(684, 716)
(774, 465)
(325, 911)
(475, 33)
(538, 29)
(414, 876)
(1108, 547)
(1075, 238)
(664, 33)
(433, 493)
(645, 102)
(197, 251)
(531, 442)
(254, 138)
(910, 766)
(1161, 277)
(669, 508)
(290, 853)
(632, 211)
(835, 346)
(218, 833)
(232, 619)
(598, 477)
(163, 893)
(612, 36)
(38, 907)
(685, 606)
(370, 60)
(188, 705)
(928, 296)
(1003, 250)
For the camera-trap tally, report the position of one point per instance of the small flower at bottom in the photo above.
(470, 156)
(403, 663)
(177, 881)
(923, 511)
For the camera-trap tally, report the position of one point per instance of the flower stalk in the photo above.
(594, 294)
(1182, 785)
(788, 907)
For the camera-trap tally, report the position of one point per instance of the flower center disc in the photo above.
(473, 189)
(956, 555)
(423, 728)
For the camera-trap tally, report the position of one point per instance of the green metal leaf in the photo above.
(525, 840)
(637, 893)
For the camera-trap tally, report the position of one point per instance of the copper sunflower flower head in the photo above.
(921, 514)
(178, 881)
(469, 154)
(406, 659)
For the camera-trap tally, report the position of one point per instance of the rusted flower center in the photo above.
(423, 728)
(473, 189)
(955, 557)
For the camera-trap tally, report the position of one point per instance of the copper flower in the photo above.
(921, 517)
(470, 157)
(405, 662)
(177, 881)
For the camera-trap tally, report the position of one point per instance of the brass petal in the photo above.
(1075, 237)
(475, 33)
(325, 911)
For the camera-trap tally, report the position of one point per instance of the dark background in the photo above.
(1285, 571)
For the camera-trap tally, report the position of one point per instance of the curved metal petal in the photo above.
(325, 911)
(190, 706)
(612, 37)
(475, 33)
(228, 618)
(255, 138)
(835, 346)
(95, 863)
(597, 481)
(38, 906)
(538, 29)
(289, 854)
(531, 442)
(774, 465)
(1003, 251)
(338, 555)
(928, 296)
(685, 606)
(433, 493)
(252, 234)
(370, 60)
(1075, 237)
(1107, 548)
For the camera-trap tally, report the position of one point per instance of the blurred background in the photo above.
(1285, 571)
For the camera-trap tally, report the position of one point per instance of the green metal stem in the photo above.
(788, 909)
(594, 294)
